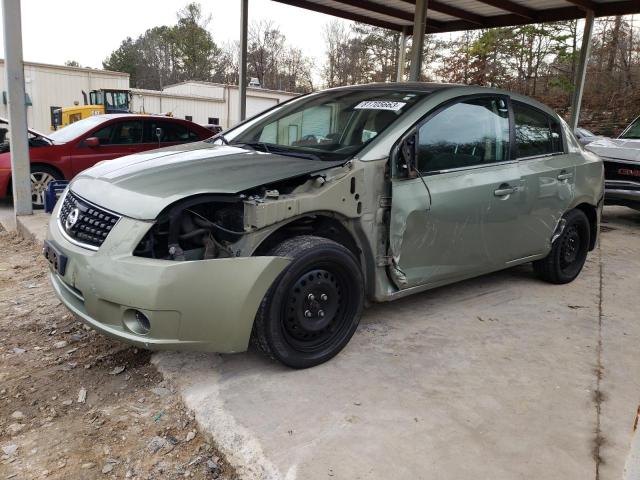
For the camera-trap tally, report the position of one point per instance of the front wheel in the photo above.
(41, 177)
(569, 251)
(313, 308)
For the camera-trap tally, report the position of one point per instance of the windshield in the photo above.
(332, 125)
(74, 130)
(632, 131)
(117, 100)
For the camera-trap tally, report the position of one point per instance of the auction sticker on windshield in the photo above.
(379, 105)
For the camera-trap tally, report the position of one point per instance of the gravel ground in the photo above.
(74, 404)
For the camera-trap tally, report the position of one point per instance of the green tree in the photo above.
(195, 49)
(126, 58)
(168, 54)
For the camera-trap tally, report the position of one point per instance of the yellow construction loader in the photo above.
(97, 102)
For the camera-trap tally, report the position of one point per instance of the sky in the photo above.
(88, 31)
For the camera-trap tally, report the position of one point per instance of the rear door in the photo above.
(458, 219)
(117, 139)
(164, 133)
(548, 171)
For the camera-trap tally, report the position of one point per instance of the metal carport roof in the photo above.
(457, 15)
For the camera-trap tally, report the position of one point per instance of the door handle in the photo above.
(504, 190)
(565, 176)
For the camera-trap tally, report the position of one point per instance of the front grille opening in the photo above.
(84, 222)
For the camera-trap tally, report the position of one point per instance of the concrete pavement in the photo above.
(499, 377)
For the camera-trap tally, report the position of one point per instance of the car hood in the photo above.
(617, 148)
(30, 130)
(142, 185)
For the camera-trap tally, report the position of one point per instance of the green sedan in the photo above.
(280, 230)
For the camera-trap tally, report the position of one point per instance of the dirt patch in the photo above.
(74, 404)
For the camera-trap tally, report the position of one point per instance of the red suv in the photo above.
(64, 153)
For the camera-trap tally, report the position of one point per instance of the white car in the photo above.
(622, 166)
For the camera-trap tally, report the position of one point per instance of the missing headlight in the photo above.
(197, 229)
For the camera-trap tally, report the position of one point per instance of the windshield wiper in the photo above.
(280, 150)
(253, 145)
(289, 153)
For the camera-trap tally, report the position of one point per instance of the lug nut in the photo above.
(307, 313)
(311, 297)
(324, 297)
(321, 313)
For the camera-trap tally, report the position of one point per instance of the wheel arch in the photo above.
(328, 225)
(592, 215)
(57, 169)
(33, 164)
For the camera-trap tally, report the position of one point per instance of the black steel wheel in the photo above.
(569, 251)
(314, 306)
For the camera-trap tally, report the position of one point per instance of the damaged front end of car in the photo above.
(214, 226)
(198, 272)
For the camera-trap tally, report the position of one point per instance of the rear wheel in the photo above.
(313, 308)
(41, 177)
(569, 251)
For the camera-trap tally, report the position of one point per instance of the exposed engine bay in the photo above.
(206, 226)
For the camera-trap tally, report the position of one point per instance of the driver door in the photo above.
(457, 218)
(117, 139)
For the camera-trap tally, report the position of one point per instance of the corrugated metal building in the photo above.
(50, 86)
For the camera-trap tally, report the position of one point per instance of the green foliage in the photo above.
(186, 51)
(168, 54)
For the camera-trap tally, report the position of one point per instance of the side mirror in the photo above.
(406, 156)
(92, 142)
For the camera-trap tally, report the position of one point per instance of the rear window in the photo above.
(170, 132)
(536, 132)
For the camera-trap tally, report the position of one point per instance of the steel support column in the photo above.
(14, 71)
(419, 29)
(581, 73)
(402, 52)
(242, 81)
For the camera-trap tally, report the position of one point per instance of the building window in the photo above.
(188, 117)
(213, 121)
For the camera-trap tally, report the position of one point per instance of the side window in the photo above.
(536, 132)
(174, 132)
(128, 132)
(104, 135)
(469, 133)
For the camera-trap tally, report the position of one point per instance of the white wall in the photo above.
(59, 86)
(258, 99)
(53, 85)
(199, 108)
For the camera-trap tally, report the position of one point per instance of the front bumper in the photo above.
(622, 192)
(204, 305)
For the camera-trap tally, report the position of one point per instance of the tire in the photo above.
(569, 251)
(41, 176)
(313, 308)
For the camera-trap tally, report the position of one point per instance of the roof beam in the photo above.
(391, 12)
(456, 12)
(451, 11)
(585, 4)
(378, 8)
(336, 12)
(512, 7)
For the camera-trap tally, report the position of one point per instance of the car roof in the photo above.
(432, 87)
(426, 87)
(109, 116)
